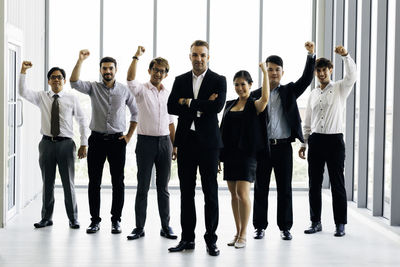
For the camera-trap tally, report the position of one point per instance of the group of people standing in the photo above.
(253, 138)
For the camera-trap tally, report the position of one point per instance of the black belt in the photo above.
(279, 141)
(55, 139)
(106, 136)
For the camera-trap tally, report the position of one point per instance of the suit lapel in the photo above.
(203, 94)
(189, 82)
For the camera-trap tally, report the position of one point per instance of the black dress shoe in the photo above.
(43, 223)
(183, 245)
(212, 249)
(74, 224)
(115, 227)
(315, 227)
(168, 233)
(93, 228)
(136, 233)
(285, 235)
(339, 230)
(259, 233)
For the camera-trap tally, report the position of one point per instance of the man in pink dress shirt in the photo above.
(156, 132)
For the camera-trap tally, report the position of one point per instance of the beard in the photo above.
(108, 77)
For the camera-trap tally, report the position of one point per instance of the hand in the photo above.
(126, 138)
(82, 152)
(263, 66)
(213, 97)
(25, 65)
(183, 101)
(84, 54)
(219, 167)
(302, 152)
(174, 153)
(140, 51)
(310, 47)
(341, 50)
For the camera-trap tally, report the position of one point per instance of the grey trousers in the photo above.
(153, 150)
(61, 153)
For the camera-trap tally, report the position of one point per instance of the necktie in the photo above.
(55, 117)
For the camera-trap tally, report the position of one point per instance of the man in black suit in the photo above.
(197, 97)
(282, 125)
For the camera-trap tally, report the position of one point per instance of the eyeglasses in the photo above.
(162, 72)
(58, 77)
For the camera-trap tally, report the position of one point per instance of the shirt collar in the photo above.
(60, 94)
(151, 86)
(201, 75)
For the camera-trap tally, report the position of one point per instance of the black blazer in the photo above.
(251, 138)
(207, 124)
(289, 94)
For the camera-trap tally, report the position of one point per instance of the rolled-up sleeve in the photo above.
(81, 86)
(131, 103)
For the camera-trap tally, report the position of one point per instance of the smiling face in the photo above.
(56, 81)
(275, 73)
(157, 74)
(242, 87)
(199, 57)
(324, 75)
(108, 71)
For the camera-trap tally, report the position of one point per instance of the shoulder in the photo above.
(256, 93)
(184, 75)
(214, 74)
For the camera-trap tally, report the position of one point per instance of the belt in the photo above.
(56, 138)
(279, 141)
(106, 136)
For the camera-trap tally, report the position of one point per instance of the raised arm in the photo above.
(350, 76)
(83, 87)
(132, 68)
(29, 95)
(262, 102)
(308, 74)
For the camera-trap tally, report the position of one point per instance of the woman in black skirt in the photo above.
(241, 134)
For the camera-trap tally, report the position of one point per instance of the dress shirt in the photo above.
(153, 117)
(325, 107)
(69, 107)
(108, 105)
(197, 80)
(278, 127)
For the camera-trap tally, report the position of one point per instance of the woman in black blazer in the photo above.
(242, 138)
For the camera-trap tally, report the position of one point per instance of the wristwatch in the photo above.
(184, 101)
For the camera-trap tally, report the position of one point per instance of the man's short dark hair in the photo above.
(200, 43)
(159, 61)
(275, 59)
(108, 59)
(55, 69)
(323, 63)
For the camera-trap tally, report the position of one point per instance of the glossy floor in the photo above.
(368, 241)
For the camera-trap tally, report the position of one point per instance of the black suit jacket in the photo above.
(207, 124)
(289, 94)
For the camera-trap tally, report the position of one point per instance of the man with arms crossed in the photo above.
(282, 127)
(107, 140)
(196, 97)
(323, 131)
(156, 133)
(57, 148)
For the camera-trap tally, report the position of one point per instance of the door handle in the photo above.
(21, 112)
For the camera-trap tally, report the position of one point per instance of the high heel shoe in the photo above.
(232, 243)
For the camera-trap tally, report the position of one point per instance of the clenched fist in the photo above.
(310, 47)
(84, 54)
(341, 50)
(263, 66)
(140, 51)
(25, 65)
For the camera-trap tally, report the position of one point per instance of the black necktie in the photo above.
(55, 117)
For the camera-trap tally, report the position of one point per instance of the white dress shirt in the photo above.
(153, 117)
(325, 107)
(197, 80)
(69, 107)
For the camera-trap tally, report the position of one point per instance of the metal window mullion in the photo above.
(260, 40)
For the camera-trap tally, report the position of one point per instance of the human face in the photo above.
(157, 74)
(324, 75)
(199, 57)
(275, 73)
(56, 81)
(108, 71)
(242, 87)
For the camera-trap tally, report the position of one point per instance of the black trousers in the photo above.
(151, 150)
(191, 156)
(329, 149)
(100, 149)
(281, 160)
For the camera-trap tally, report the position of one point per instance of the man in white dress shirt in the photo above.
(156, 133)
(323, 132)
(57, 148)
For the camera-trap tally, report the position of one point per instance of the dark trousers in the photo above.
(329, 149)
(100, 149)
(191, 156)
(151, 150)
(51, 154)
(281, 160)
